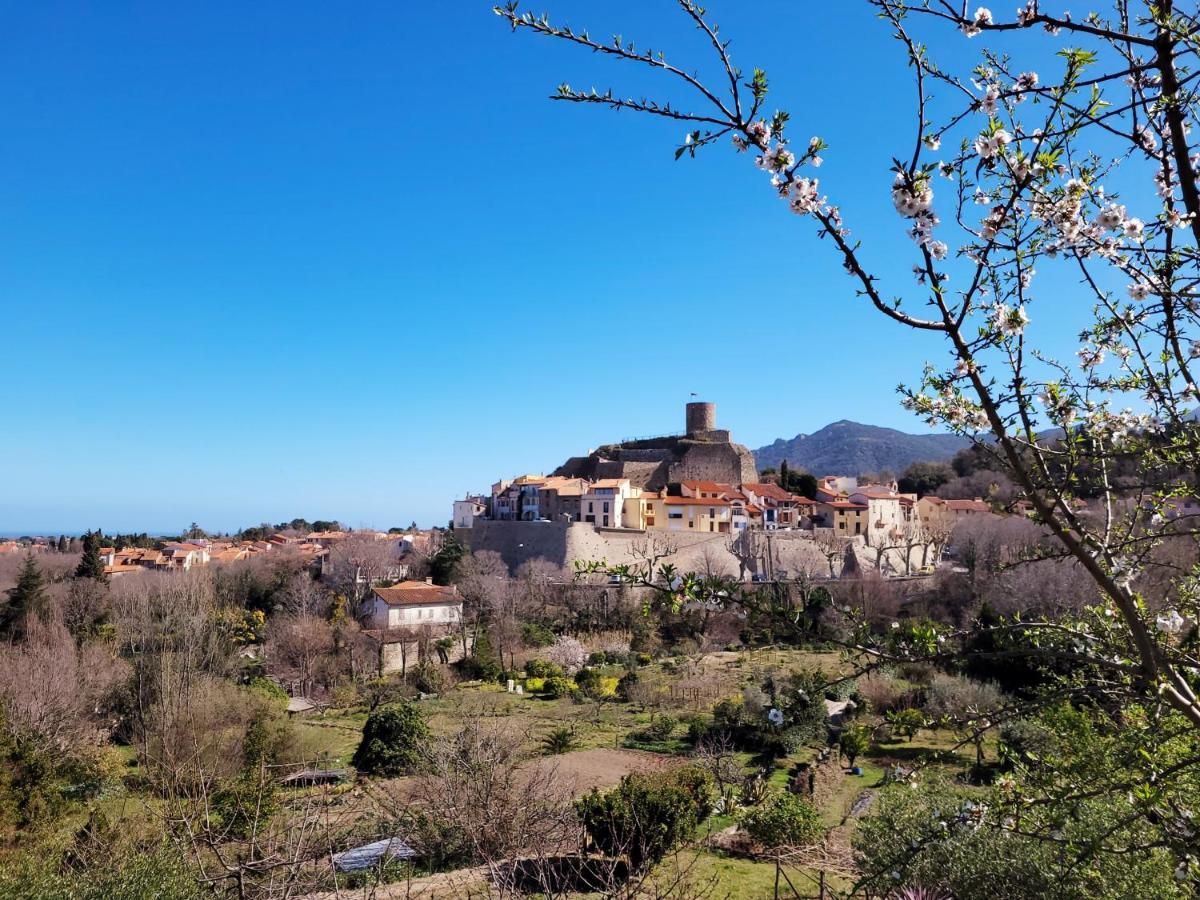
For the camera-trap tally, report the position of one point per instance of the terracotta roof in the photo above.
(771, 491)
(417, 593)
(122, 568)
(695, 501)
(845, 504)
(609, 482)
(975, 505)
(877, 494)
(712, 486)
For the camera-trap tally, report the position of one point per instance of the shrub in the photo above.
(534, 634)
(661, 728)
(560, 740)
(535, 685)
(392, 741)
(647, 815)
(882, 693)
(590, 682)
(784, 820)
(483, 663)
(627, 681)
(430, 679)
(557, 687)
(540, 668)
(270, 690)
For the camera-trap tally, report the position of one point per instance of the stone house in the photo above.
(409, 620)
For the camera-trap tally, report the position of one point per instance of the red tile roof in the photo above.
(714, 487)
(417, 593)
(696, 501)
(766, 489)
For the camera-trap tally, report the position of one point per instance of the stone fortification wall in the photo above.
(560, 544)
(718, 461)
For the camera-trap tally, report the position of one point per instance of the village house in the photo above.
(602, 503)
(888, 511)
(846, 517)
(559, 498)
(939, 513)
(409, 619)
(467, 510)
(781, 509)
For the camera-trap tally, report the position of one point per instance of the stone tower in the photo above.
(701, 417)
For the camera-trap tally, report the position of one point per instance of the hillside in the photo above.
(850, 448)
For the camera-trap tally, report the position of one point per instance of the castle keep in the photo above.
(702, 453)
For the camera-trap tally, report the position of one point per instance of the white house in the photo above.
(603, 502)
(468, 510)
(414, 604)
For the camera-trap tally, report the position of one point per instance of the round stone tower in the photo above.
(701, 417)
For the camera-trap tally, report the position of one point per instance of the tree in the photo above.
(393, 741)
(647, 815)
(444, 565)
(91, 565)
(923, 478)
(854, 741)
(1041, 156)
(27, 599)
(1045, 203)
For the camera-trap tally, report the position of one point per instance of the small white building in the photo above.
(467, 511)
(603, 502)
(413, 604)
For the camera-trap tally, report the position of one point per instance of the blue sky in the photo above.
(346, 261)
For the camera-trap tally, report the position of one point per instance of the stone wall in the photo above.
(560, 544)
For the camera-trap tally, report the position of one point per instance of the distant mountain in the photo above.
(850, 448)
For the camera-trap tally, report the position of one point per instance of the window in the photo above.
(590, 506)
(649, 521)
(675, 514)
(606, 521)
(606, 506)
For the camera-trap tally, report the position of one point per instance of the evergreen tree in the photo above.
(784, 476)
(26, 599)
(63, 544)
(91, 565)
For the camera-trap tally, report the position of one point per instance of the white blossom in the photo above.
(1170, 622)
(988, 146)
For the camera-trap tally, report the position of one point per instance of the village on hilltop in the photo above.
(699, 486)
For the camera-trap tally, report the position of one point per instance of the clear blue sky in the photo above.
(346, 261)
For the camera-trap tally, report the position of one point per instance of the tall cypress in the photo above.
(26, 599)
(91, 565)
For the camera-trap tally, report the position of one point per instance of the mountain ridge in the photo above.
(845, 447)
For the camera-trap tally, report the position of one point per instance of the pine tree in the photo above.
(784, 475)
(26, 599)
(63, 545)
(91, 565)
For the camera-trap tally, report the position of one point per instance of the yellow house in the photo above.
(653, 512)
(845, 517)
